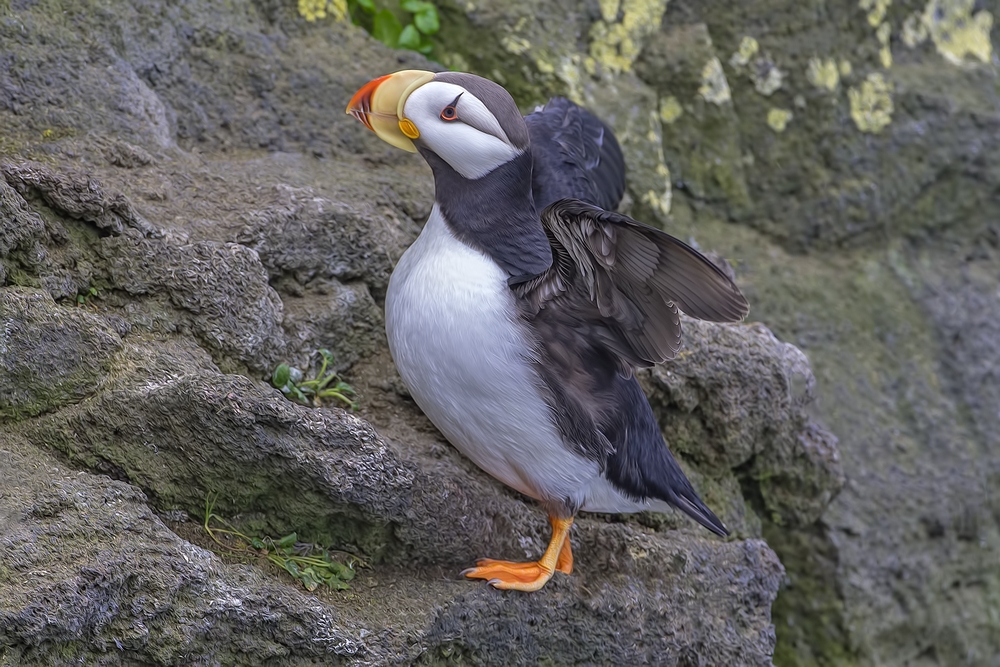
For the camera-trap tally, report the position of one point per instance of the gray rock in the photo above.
(736, 399)
(50, 355)
(197, 172)
(869, 245)
(91, 576)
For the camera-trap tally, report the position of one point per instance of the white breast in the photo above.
(453, 333)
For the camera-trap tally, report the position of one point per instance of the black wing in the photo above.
(609, 303)
(574, 155)
(625, 281)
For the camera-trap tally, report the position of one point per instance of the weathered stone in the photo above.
(193, 165)
(90, 575)
(735, 399)
(50, 355)
(222, 288)
(873, 252)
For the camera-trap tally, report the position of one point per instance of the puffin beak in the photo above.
(379, 105)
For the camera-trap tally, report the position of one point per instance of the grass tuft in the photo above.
(310, 564)
(325, 385)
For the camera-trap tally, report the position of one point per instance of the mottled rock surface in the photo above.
(842, 156)
(183, 205)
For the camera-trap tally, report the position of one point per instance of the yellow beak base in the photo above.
(379, 106)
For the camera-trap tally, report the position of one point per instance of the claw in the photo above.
(530, 576)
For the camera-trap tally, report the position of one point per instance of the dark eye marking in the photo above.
(450, 113)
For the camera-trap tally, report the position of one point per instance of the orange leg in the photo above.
(533, 575)
(565, 562)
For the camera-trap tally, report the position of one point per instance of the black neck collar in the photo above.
(494, 214)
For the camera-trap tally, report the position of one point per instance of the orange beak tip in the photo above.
(360, 105)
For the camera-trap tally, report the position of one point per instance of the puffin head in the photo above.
(469, 122)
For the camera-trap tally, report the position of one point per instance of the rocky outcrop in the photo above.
(183, 205)
(839, 154)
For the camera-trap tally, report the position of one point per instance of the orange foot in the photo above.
(529, 576)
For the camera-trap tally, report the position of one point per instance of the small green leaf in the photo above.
(414, 6)
(299, 396)
(288, 540)
(310, 579)
(257, 543)
(427, 21)
(386, 28)
(282, 374)
(367, 5)
(346, 574)
(292, 568)
(409, 38)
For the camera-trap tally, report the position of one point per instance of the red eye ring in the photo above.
(449, 113)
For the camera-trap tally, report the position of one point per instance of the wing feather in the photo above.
(627, 281)
(574, 154)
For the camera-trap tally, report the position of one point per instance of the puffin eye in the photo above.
(450, 113)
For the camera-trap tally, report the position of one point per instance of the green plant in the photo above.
(414, 35)
(310, 564)
(406, 24)
(82, 299)
(326, 384)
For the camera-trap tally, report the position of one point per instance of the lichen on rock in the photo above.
(223, 133)
(958, 33)
(871, 103)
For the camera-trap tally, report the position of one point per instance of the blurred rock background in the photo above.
(184, 206)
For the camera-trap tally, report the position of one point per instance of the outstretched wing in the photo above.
(622, 282)
(574, 155)
(608, 304)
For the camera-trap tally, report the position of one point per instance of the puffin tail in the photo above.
(686, 500)
(641, 465)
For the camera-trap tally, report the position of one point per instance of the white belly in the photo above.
(455, 340)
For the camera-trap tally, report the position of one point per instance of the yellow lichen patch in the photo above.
(823, 73)
(609, 10)
(871, 104)
(885, 56)
(748, 49)
(616, 44)
(659, 201)
(778, 119)
(670, 109)
(914, 30)
(455, 62)
(876, 10)
(883, 34)
(714, 87)
(516, 45)
(763, 73)
(845, 68)
(312, 10)
(956, 32)
(569, 73)
(544, 65)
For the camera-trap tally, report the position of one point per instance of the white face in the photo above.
(464, 133)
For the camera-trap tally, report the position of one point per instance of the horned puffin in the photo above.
(519, 314)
